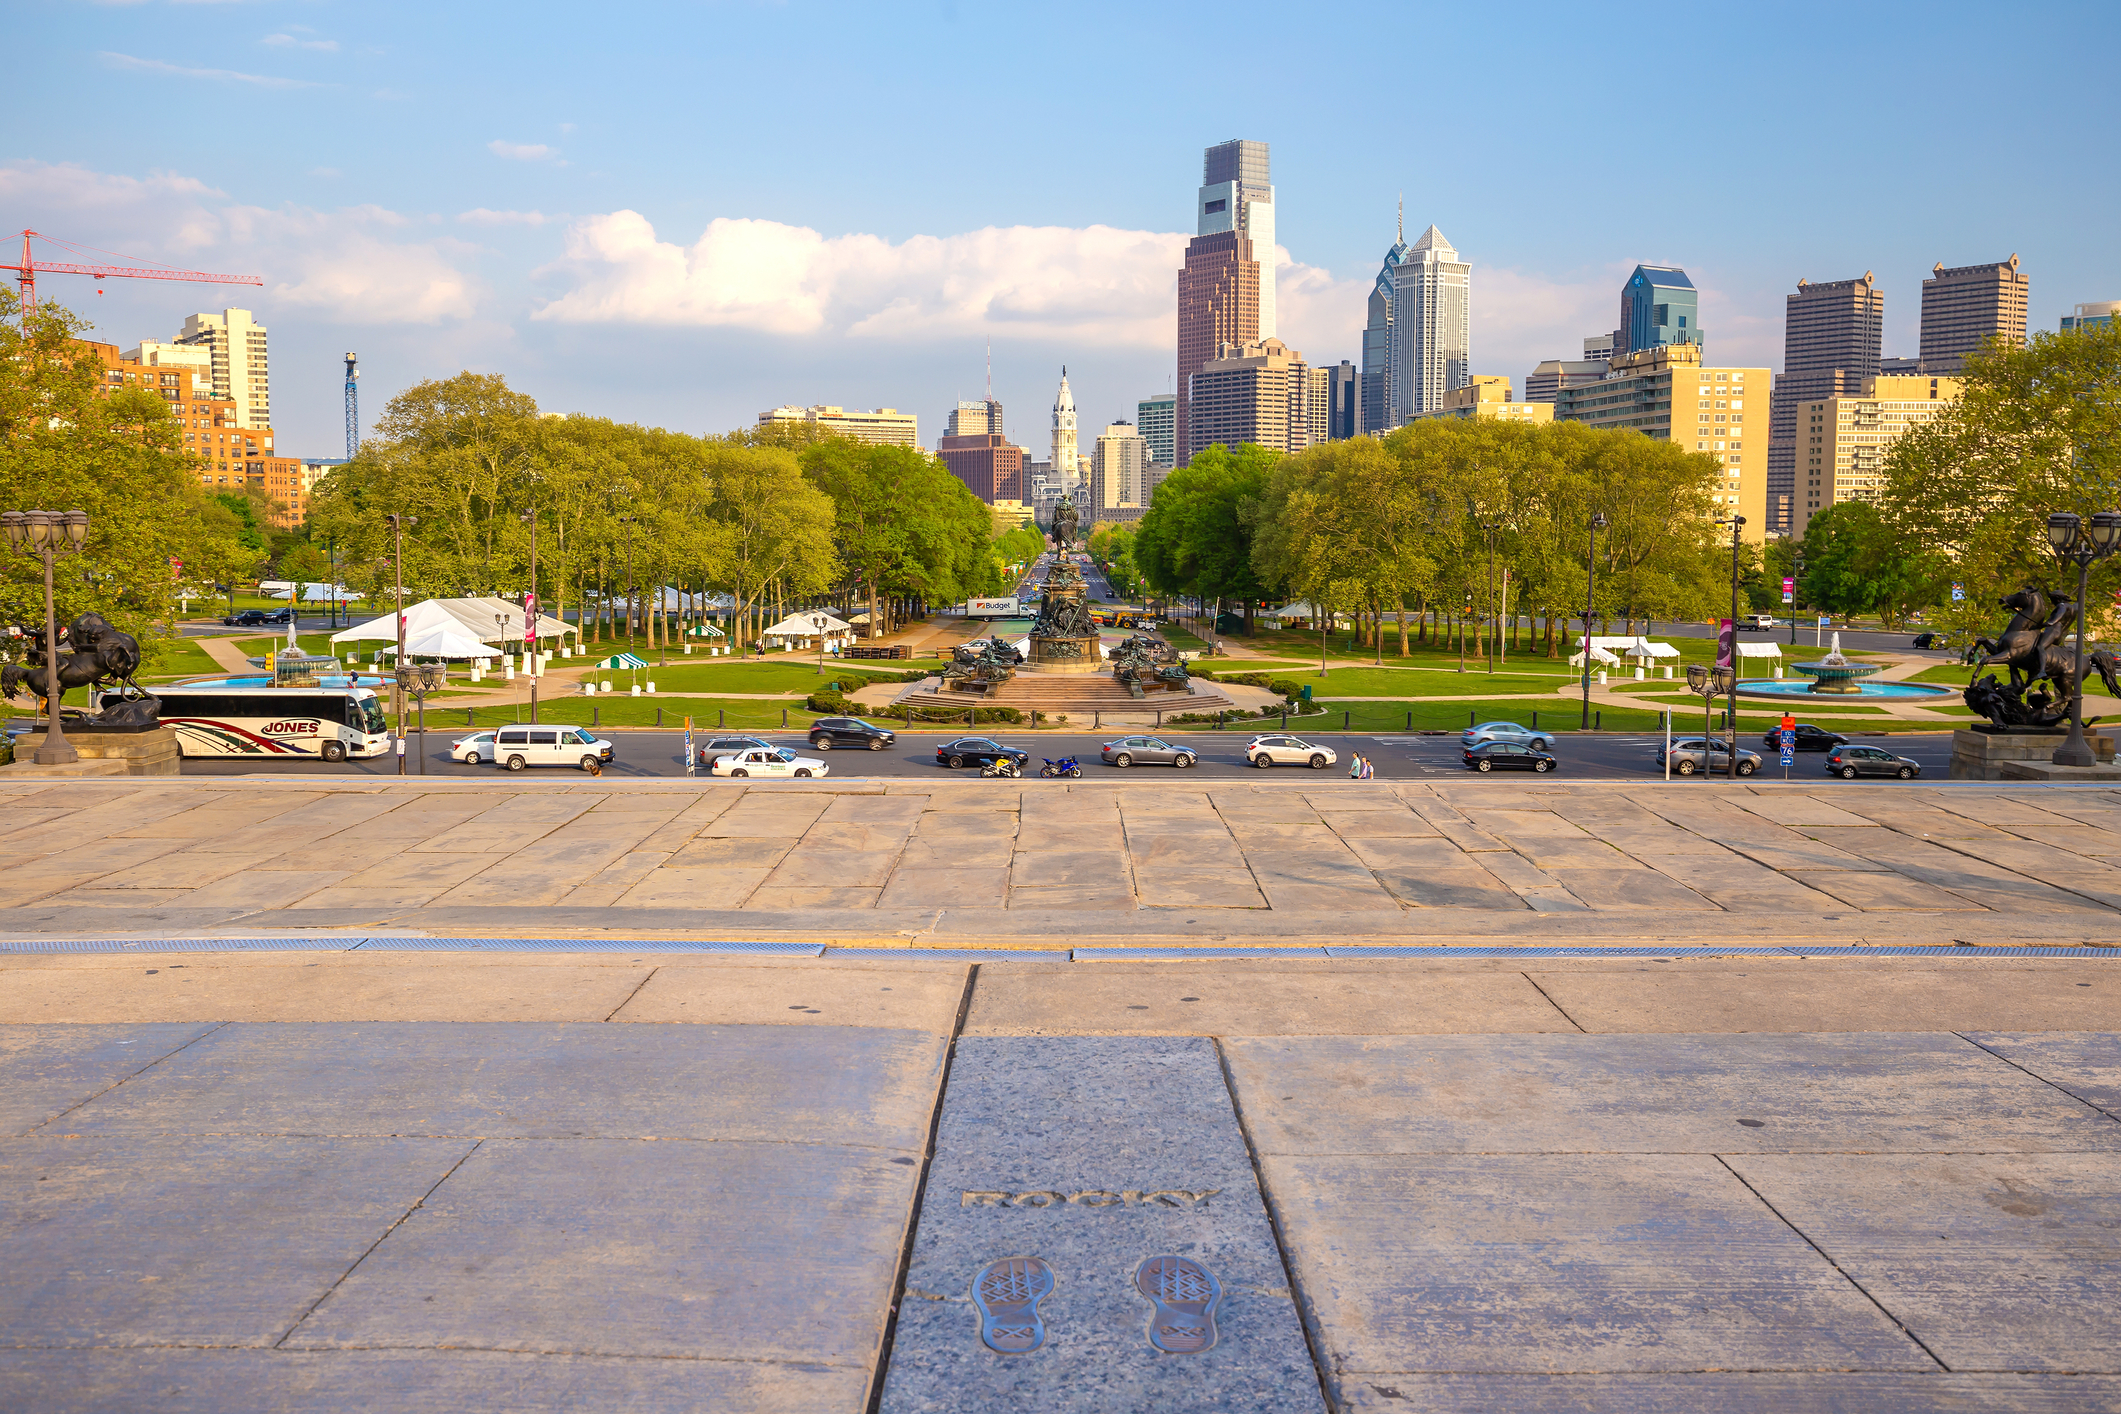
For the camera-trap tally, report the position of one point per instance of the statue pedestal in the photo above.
(2027, 756)
(1064, 655)
(103, 753)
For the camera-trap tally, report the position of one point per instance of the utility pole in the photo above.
(628, 521)
(1494, 623)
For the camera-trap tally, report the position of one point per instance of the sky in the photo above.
(684, 214)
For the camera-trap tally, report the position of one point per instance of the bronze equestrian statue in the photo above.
(2034, 648)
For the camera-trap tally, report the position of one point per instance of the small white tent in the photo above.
(797, 630)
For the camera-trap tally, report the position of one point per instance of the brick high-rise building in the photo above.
(1847, 436)
(1967, 305)
(989, 464)
(1226, 288)
(1831, 336)
(231, 457)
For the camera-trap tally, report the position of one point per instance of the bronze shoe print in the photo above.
(1007, 1294)
(1185, 1295)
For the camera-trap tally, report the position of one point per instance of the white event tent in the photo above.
(473, 618)
(442, 641)
(796, 631)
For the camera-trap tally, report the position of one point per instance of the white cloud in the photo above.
(1097, 283)
(480, 216)
(163, 66)
(288, 41)
(354, 265)
(520, 151)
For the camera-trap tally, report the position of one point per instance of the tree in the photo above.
(66, 443)
(1197, 535)
(767, 524)
(904, 525)
(1854, 564)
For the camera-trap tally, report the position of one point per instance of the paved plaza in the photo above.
(589, 1095)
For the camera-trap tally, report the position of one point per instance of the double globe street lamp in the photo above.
(2082, 545)
(49, 533)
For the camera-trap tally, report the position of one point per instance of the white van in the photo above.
(521, 747)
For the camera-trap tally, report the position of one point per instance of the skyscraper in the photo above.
(1119, 464)
(1259, 393)
(2097, 315)
(241, 372)
(976, 453)
(1658, 305)
(1830, 344)
(1340, 400)
(1226, 288)
(1157, 418)
(1432, 327)
(1066, 469)
(1966, 306)
(1377, 340)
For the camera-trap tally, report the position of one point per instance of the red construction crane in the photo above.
(26, 271)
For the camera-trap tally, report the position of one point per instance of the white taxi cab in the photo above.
(771, 761)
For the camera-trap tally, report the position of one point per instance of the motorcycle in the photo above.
(1002, 766)
(1064, 767)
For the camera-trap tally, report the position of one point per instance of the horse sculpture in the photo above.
(100, 656)
(2033, 647)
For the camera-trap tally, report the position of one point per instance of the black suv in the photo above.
(976, 751)
(249, 618)
(1809, 738)
(828, 732)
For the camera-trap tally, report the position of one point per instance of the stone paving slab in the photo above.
(1992, 1261)
(869, 1087)
(778, 1254)
(407, 1382)
(1897, 1093)
(1094, 1154)
(1538, 1263)
(50, 1070)
(1417, 858)
(2085, 1064)
(1839, 1392)
(113, 1240)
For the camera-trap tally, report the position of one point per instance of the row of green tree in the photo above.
(777, 519)
(1443, 521)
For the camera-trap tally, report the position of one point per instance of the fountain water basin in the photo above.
(1835, 676)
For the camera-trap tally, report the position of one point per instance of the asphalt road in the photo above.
(1596, 756)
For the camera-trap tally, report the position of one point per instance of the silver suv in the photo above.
(1506, 731)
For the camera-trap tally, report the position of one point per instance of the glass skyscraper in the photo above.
(1658, 305)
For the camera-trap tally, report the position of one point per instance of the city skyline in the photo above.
(591, 249)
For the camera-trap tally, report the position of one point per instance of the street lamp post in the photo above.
(419, 679)
(1494, 624)
(530, 613)
(1590, 603)
(628, 522)
(817, 621)
(1796, 588)
(47, 534)
(1731, 765)
(397, 574)
(2074, 543)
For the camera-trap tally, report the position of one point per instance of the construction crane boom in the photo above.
(26, 271)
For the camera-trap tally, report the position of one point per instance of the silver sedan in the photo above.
(1146, 751)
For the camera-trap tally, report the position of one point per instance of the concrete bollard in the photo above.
(634, 691)
(605, 688)
(651, 685)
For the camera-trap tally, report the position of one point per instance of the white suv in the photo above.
(520, 747)
(1278, 750)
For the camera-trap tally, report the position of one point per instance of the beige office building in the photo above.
(883, 427)
(1488, 395)
(1842, 442)
(242, 373)
(1119, 470)
(1259, 392)
(1663, 391)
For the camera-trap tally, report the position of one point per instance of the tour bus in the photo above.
(215, 719)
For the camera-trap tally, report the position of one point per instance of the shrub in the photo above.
(1285, 687)
(1248, 679)
(832, 703)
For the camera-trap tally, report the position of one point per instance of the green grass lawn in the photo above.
(181, 659)
(718, 676)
